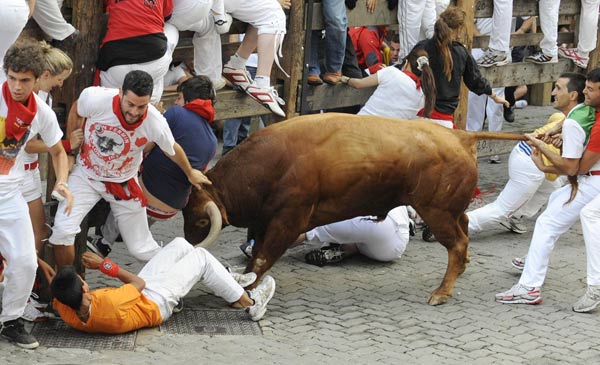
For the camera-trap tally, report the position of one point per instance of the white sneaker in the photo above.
(520, 104)
(268, 97)
(243, 279)
(218, 85)
(589, 301)
(32, 314)
(261, 296)
(239, 78)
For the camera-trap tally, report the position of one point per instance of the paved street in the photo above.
(362, 311)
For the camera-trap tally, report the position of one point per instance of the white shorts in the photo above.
(32, 185)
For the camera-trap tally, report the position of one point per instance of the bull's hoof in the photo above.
(437, 299)
(468, 259)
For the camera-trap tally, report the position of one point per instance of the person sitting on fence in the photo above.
(13, 17)
(265, 33)
(23, 115)
(149, 298)
(498, 52)
(587, 36)
(120, 49)
(48, 16)
(416, 19)
(163, 183)
(549, 10)
(119, 126)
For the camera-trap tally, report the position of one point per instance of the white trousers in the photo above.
(187, 13)
(549, 24)
(114, 76)
(48, 16)
(502, 22)
(172, 273)
(130, 215)
(17, 245)
(13, 17)
(207, 50)
(590, 223)
(588, 25)
(526, 191)
(482, 106)
(381, 241)
(556, 220)
(416, 19)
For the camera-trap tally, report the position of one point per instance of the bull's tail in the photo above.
(478, 136)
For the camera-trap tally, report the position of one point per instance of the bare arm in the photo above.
(36, 145)
(368, 81)
(588, 160)
(61, 168)
(31, 7)
(92, 261)
(563, 166)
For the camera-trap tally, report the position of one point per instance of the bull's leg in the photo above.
(269, 247)
(464, 224)
(448, 229)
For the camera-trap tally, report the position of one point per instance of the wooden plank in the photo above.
(187, 52)
(329, 96)
(485, 8)
(460, 114)
(293, 60)
(230, 104)
(528, 39)
(525, 73)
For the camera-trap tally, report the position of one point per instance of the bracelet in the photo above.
(109, 268)
(62, 183)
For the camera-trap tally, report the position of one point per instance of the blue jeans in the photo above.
(336, 22)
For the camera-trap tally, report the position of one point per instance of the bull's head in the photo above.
(202, 219)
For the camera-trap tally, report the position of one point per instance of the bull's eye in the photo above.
(203, 222)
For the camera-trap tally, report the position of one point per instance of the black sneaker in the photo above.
(509, 114)
(15, 331)
(541, 59)
(325, 255)
(98, 247)
(428, 235)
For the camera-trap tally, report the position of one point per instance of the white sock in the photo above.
(237, 62)
(262, 81)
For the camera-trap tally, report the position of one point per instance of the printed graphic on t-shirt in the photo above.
(104, 148)
(9, 148)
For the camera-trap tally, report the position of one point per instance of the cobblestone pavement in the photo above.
(362, 311)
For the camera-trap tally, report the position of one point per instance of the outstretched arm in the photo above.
(92, 261)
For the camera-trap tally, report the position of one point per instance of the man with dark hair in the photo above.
(163, 183)
(148, 299)
(564, 204)
(395, 49)
(119, 126)
(23, 115)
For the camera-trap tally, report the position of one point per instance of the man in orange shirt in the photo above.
(148, 299)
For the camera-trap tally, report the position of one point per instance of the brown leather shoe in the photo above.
(332, 78)
(314, 80)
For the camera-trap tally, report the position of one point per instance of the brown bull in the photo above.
(318, 169)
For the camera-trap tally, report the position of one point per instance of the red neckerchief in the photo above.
(118, 190)
(19, 115)
(202, 107)
(117, 110)
(414, 78)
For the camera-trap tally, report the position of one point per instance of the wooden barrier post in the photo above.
(460, 115)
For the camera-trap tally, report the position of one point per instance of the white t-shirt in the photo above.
(396, 96)
(173, 75)
(109, 151)
(573, 138)
(12, 155)
(32, 157)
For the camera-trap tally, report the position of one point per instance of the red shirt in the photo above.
(133, 18)
(594, 142)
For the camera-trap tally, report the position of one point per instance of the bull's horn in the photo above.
(216, 222)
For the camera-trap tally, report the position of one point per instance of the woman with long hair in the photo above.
(451, 62)
(402, 90)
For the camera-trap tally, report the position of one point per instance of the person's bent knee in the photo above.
(275, 25)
